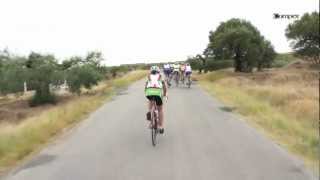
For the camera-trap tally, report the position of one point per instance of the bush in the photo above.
(42, 71)
(212, 65)
(82, 76)
(12, 77)
(42, 98)
(283, 60)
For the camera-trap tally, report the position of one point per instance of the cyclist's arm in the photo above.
(145, 86)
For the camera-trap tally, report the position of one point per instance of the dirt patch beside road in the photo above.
(17, 110)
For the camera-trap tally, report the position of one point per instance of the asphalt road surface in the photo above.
(202, 140)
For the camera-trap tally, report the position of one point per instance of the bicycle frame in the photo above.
(188, 77)
(176, 77)
(168, 79)
(154, 122)
(154, 112)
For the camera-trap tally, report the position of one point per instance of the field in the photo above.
(22, 135)
(282, 103)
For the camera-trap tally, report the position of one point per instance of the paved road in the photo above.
(201, 142)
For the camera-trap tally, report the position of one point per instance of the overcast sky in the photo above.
(129, 31)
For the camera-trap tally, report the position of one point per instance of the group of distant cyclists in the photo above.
(156, 86)
(177, 72)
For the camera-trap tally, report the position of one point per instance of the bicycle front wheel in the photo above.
(154, 130)
(154, 136)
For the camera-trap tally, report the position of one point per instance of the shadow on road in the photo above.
(228, 109)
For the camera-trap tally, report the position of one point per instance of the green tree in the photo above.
(84, 72)
(12, 76)
(73, 61)
(82, 76)
(12, 72)
(194, 63)
(268, 55)
(239, 40)
(202, 61)
(305, 37)
(94, 58)
(43, 71)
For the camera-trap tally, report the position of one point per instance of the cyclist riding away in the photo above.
(171, 70)
(188, 72)
(167, 72)
(182, 72)
(156, 89)
(176, 69)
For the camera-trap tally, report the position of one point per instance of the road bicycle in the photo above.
(188, 76)
(154, 121)
(176, 78)
(182, 77)
(168, 79)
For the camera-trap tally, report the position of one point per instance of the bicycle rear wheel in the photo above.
(177, 79)
(154, 129)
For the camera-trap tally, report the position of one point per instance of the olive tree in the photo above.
(12, 75)
(239, 40)
(83, 72)
(305, 37)
(43, 71)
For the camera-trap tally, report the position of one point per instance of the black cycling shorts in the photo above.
(155, 98)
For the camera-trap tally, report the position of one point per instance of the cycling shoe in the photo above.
(161, 131)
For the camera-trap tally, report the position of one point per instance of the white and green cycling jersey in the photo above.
(154, 86)
(176, 67)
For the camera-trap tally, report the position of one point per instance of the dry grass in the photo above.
(19, 140)
(283, 103)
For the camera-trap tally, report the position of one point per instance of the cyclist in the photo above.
(182, 72)
(176, 69)
(167, 72)
(156, 89)
(188, 72)
(171, 70)
(171, 67)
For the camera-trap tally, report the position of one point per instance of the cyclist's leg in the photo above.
(149, 109)
(168, 77)
(160, 109)
(149, 106)
(178, 76)
(188, 77)
(183, 75)
(165, 76)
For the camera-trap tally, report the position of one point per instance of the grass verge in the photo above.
(283, 105)
(18, 141)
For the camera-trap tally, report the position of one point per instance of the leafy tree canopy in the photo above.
(305, 37)
(239, 40)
